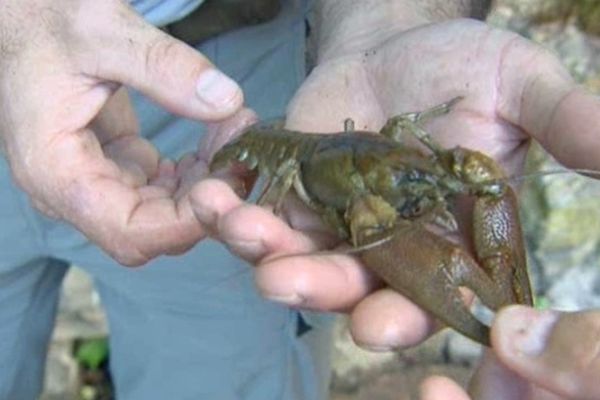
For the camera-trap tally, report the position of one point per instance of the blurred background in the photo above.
(559, 214)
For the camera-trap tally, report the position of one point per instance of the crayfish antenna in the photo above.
(590, 173)
(497, 183)
(369, 246)
(351, 250)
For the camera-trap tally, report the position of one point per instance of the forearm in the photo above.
(345, 26)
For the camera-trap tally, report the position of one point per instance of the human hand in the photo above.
(538, 355)
(514, 91)
(73, 143)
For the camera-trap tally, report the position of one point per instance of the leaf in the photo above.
(91, 353)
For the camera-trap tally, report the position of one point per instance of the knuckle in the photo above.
(129, 261)
(172, 60)
(160, 54)
(128, 256)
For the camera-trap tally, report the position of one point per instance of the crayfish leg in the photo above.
(410, 122)
(279, 185)
(368, 214)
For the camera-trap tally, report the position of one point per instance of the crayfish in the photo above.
(371, 188)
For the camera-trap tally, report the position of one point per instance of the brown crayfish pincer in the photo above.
(372, 188)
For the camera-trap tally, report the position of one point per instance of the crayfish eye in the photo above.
(494, 189)
(413, 176)
(242, 155)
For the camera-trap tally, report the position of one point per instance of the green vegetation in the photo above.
(92, 353)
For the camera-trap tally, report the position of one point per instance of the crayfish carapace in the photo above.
(372, 188)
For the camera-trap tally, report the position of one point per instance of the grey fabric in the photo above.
(163, 12)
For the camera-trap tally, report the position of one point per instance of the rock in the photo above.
(581, 14)
(62, 372)
(352, 366)
(80, 316)
(461, 350)
(560, 212)
(577, 289)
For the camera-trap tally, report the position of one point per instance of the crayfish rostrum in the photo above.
(371, 188)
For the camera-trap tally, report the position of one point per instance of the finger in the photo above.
(557, 351)
(325, 283)
(90, 192)
(386, 320)
(139, 55)
(335, 282)
(332, 282)
(189, 171)
(116, 118)
(537, 94)
(571, 135)
(117, 130)
(301, 218)
(256, 234)
(211, 199)
(442, 388)
(494, 381)
(136, 157)
(219, 133)
(165, 176)
(250, 231)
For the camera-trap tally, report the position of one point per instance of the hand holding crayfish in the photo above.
(538, 355)
(514, 91)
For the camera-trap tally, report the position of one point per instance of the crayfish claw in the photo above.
(500, 247)
(429, 270)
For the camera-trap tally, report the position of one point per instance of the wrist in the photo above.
(350, 26)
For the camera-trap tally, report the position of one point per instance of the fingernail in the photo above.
(375, 348)
(292, 299)
(252, 249)
(216, 89)
(390, 338)
(528, 329)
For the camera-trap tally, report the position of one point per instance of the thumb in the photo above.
(122, 47)
(555, 350)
